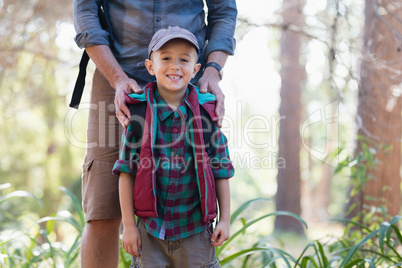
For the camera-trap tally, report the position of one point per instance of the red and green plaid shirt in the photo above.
(178, 199)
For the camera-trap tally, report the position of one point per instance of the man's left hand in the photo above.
(209, 82)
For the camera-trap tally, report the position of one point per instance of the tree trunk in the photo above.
(379, 103)
(288, 193)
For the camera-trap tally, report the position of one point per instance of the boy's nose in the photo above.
(174, 65)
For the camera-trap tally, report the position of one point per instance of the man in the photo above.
(119, 54)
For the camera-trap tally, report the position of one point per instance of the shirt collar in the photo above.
(164, 110)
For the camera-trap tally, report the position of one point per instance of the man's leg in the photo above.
(100, 244)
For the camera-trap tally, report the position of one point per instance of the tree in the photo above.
(289, 193)
(33, 80)
(379, 105)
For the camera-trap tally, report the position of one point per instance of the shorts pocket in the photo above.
(212, 264)
(87, 165)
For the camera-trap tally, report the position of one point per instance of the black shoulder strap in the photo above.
(138, 111)
(208, 127)
(80, 82)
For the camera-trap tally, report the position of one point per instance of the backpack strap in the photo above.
(206, 124)
(138, 111)
(80, 82)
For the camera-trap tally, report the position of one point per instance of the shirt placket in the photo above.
(158, 15)
(176, 151)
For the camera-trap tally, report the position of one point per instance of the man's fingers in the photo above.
(122, 111)
(203, 90)
(123, 107)
(122, 118)
(220, 111)
(134, 87)
(219, 122)
(203, 87)
(137, 90)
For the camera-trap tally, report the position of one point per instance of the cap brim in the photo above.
(166, 39)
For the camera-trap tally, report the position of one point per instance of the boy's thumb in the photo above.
(214, 236)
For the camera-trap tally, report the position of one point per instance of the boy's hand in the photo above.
(132, 241)
(221, 233)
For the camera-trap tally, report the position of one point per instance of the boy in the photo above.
(176, 181)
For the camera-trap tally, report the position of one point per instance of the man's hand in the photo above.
(105, 61)
(124, 85)
(132, 240)
(221, 233)
(209, 82)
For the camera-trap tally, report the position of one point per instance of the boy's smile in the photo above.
(174, 65)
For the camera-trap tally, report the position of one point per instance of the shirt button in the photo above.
(158, 19)
(175, 130)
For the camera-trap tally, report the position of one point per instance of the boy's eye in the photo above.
(165, 58)
(185, 60)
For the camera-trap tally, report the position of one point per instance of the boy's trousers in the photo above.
(191, 252)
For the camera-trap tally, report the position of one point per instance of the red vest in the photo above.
(145, 180)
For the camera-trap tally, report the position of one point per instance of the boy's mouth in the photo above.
(174, 77)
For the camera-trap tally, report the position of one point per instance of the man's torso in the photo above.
(133, 23)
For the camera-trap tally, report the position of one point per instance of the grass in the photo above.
(360, 246)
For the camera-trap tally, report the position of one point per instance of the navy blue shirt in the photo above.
(132, 24)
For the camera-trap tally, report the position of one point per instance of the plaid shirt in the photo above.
(178, 199)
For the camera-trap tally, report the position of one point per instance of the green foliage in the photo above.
(378, 248)
(375, 247)
(367, 235)
(125, 258)
(366, 219)
(18, 194)
(359, 167)
(37, 245)
(36, 72)
(269, 254)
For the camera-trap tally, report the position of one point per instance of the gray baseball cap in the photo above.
(163, 36)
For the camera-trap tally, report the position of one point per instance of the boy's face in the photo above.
(174, 65)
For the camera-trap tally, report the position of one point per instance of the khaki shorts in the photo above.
(195, 251)
(100, 195)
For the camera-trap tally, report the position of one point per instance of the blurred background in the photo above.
(313, 118)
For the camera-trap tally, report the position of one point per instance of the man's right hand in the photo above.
(124, 86)
(105, 61)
